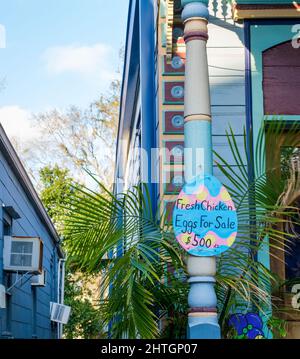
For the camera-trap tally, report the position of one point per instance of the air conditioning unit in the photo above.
(59, 313)
(2, 297)
(39, 280)
(23, 254)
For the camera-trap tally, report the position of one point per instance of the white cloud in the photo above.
(92, 60)
(16, 122)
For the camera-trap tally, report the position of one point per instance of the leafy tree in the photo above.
(85, 320)
(57, 187)
(82, 139)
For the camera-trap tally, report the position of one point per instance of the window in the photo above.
(282, 150)
(281, 80)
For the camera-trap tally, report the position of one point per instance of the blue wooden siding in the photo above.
(29, 314)
(226, 62)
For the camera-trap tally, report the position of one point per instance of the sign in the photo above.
(205, 218)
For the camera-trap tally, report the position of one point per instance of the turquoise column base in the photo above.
(202, 324)
(203, 328)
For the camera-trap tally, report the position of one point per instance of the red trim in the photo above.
(265, 6)
(195, 35)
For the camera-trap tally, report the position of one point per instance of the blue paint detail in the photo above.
(177, 180)
(203, 328)
(177, 121)
(195, 9)
(202, 293)
(177, 151)
(247, 326)
(147, 87)
(1, 247)
(185, 2)
(197, 135)
(177, 62)
(129, 81)
(249, 127)
(177, 91)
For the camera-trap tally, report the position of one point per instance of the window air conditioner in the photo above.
(59, 313)
(23, 254)
(39, 280)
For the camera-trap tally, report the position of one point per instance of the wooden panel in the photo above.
(173, 92)
(281, 80)
(225, 116)
(173, 122)
(222, 34)
(169, 206)
(280, 74)
(175, 67)
(279, 99)
(281, 55)
(173, 181)
(226, 61)
(221, 146)
(227, 91)
(222, 178)
(222, 118)
(173, 152)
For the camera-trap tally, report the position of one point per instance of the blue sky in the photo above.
(58, 53)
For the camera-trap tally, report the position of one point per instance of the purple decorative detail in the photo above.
(195, 35)
(171, 89)
(202, 310)
(248, 326)
(174, 151)
(174, 122)
(175, 67)
(281, 79)
(169, 207)
(178, 121)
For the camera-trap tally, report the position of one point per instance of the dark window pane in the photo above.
(21, 247)
(21, 260)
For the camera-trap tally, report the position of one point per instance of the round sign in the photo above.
(204, 218)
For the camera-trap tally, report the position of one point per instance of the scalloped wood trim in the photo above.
(170, 22)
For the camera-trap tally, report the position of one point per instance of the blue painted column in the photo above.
(202, 300)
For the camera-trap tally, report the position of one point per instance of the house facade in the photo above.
(28, 239)
(253, 53)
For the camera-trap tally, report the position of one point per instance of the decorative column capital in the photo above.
(185, 2)
(192, 9)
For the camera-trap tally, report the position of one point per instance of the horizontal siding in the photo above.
(224, 117)
(221, 146)
(226, 61)
(21, 300)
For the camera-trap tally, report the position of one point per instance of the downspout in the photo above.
(60, 290)
(202, 300)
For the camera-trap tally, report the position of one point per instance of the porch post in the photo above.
(202, 300)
